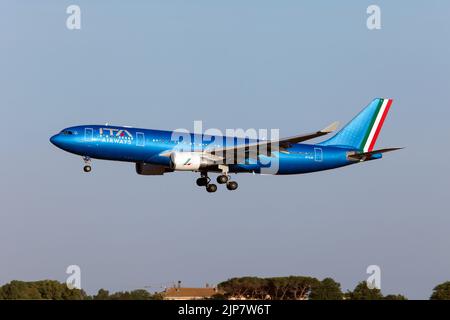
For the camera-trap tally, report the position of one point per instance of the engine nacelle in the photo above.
(187, 161)
(148, 169)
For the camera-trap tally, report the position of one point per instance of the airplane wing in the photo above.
(252, 150)
(240, 153)
(365, 156)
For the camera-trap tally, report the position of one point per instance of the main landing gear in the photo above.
(232, 185)
(225, 179)
(204, 181)
(87, 162)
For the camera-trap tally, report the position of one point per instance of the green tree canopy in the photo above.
(362, 292)
(102, 294)
(441, 292)
(277, 288)
(44, 289)
(327, 289)
(139, 294)
(395, 297)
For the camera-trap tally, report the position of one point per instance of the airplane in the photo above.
(156, 152)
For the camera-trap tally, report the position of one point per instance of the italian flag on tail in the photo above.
(376, 124)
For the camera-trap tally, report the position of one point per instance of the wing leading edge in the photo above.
(266, 147)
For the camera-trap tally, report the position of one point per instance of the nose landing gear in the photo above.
(87, 162)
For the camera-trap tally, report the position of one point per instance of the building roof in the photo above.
(190, 292)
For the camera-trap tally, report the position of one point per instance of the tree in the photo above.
(441, 292)
(300, 288)
(395, 297)
(276, 288)
(102, 294)
(44, 289)
(217, 296)
(362, 292)
(327, 289)
(131, 295)
(243, 287)
(140, 294)
(19, 290)
(256, 287)
(160, 296)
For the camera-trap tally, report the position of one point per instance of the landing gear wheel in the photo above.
(232, 185)
(202, 182)
(87, 164)
(222, 179)
(211, 188)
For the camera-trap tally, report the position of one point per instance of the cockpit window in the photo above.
(67, 132)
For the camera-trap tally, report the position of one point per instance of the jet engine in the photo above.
(188, 161)
(148, 169)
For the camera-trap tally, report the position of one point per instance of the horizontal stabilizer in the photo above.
(365, 156)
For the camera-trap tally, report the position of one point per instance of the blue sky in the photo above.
(292, 65)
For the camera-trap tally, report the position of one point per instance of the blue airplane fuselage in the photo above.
(147, 146)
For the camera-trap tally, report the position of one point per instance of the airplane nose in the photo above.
(56, 140)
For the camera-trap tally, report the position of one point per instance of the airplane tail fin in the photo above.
(362, 132)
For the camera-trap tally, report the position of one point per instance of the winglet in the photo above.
(332, 127)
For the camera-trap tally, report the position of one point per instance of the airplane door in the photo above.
(140, 139)
(88, 134)
(318, 156)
